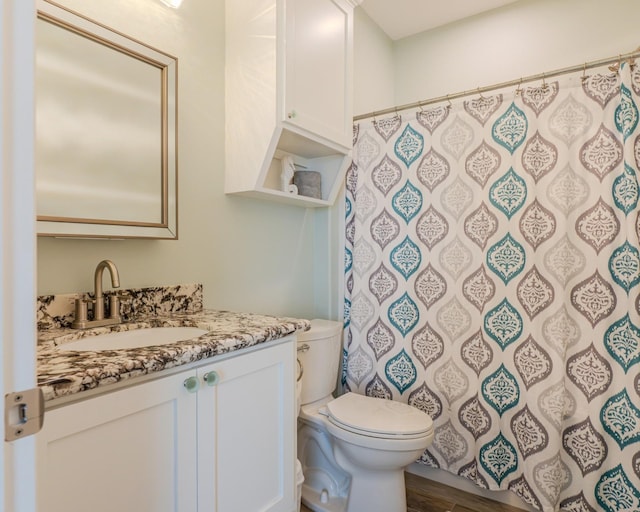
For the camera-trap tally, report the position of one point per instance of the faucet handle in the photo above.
(115, 299)
(114, 306)
(81, 310)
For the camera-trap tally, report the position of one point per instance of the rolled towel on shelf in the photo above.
(309, 183)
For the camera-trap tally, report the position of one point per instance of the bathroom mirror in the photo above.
(106, 138)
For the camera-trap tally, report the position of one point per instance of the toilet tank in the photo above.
(319, 353)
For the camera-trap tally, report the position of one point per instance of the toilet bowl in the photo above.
(353, 448)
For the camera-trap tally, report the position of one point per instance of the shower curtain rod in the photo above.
(502, 85)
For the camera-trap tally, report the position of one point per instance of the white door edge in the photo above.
(17, 239)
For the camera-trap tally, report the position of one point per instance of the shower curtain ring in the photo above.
(584, 73)
(615, 68)
(519, 88)
(448, 103)
(545, 86)
(479, 93)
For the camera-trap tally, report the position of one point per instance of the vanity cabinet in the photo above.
(133, 449)
(213, 438)
(246, 433)
(288, 95)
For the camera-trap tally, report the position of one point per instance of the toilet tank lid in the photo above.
(320, 329)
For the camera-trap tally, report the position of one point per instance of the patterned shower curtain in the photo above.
(492, 272)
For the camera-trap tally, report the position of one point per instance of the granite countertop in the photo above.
(63, 373)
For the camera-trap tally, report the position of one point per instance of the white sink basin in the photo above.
(136, 338)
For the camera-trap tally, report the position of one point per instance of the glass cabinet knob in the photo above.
(191, 384)
(211, 378)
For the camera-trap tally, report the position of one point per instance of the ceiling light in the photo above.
(172, 3)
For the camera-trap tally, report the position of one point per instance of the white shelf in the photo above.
(288, 93)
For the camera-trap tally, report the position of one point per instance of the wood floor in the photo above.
(429, 496)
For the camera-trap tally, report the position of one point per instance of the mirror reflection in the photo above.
(105, 131)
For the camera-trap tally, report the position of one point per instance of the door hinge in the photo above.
(23, 413)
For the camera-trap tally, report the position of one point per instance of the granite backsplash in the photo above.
(57, 311)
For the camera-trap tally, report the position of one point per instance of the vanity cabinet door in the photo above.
(317, 93)
(128, 450)
(246, 432)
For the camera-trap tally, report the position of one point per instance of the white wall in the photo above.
(250, 255)
(523, 38)
(374, 74)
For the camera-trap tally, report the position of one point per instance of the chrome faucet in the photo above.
(81, 321)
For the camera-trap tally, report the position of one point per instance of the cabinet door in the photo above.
(246, 424)
(129, 450)
(318, 68)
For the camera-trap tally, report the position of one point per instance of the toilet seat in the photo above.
(378, 418)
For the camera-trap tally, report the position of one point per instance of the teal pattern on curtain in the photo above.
(492, 272)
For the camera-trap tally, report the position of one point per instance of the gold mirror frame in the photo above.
(73, 219)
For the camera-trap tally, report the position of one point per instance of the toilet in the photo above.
(353, 449)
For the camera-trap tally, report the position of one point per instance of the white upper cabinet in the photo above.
(288, 95)
(318, 92)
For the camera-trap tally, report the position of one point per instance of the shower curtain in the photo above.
(492, 271)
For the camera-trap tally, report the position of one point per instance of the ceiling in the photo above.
(402, 18)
